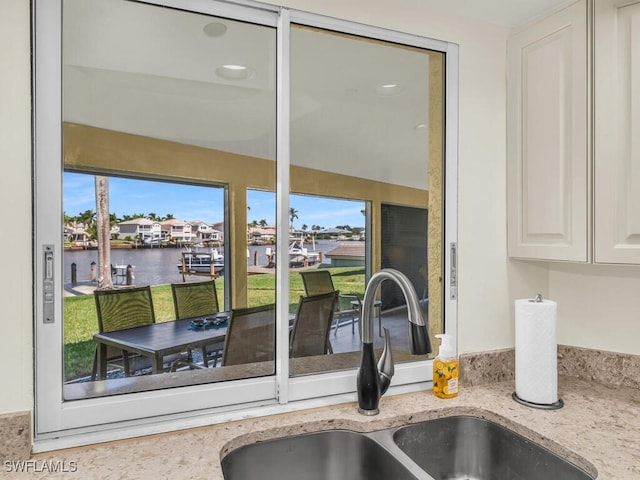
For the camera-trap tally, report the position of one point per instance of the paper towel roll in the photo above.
(536, 351)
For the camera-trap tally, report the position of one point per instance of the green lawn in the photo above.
(81, 322)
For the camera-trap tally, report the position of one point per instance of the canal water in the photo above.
(154, 266)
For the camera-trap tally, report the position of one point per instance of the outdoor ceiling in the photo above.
(152, 72)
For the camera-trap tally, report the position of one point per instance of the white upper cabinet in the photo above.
(617, 132)
(548, 138)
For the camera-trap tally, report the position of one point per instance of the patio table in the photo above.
(157, 340)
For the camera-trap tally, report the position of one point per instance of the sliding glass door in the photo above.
(183, 144)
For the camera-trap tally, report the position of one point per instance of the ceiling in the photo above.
(505, 13)
(153, 71)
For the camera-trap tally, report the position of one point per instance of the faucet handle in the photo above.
(385, 364)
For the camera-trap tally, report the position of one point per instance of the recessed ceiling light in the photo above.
(215, 29)
(234, 72)
(420, 126)
(389, 89)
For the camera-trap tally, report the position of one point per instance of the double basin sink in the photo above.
(450, 448)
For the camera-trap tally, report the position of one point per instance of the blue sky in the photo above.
(188, 202)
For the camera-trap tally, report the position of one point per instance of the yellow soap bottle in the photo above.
(446, 369)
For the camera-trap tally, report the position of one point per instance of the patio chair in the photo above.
(198, 299)
(194, 299)
(317, 281)
(346, 310)
(310, 335)
(251, 336)
(118, 310)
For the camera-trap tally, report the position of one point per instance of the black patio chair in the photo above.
(198, 299)
(251, 336)
(310, 335)
(117, 310)
(347, 307)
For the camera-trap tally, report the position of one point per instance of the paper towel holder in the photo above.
(543, 406)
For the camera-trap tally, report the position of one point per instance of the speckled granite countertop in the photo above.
(598, 428)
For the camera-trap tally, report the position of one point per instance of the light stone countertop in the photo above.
(598, 428)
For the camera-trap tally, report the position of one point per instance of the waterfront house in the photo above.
(206, 233)
(142, 228)
(177, 230)
(262, 234)
(77, 234)
(337, 233)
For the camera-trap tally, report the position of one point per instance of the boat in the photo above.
(205, 262)
(153, 241)
(299, 255)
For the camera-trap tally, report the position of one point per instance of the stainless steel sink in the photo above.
(334, 454)
(449, 448)
(471, 448)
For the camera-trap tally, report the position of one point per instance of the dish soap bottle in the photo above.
(445, 369)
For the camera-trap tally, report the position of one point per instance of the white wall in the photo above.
(15, 201)
(598, 306)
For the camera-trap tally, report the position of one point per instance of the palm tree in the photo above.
(103, 228)
(87, 217)
(293, 214)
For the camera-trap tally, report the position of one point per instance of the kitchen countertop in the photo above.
(598, 428)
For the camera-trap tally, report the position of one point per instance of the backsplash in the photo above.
(15, 435)
(487, 367)
(607, 368)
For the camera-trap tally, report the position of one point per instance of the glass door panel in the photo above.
(168, 122)
(367, 123)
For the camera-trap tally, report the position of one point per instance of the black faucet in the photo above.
(374, 380)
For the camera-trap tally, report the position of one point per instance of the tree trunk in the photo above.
(103, 227)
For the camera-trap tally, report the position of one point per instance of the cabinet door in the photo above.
(547, 132)
(617, 132)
